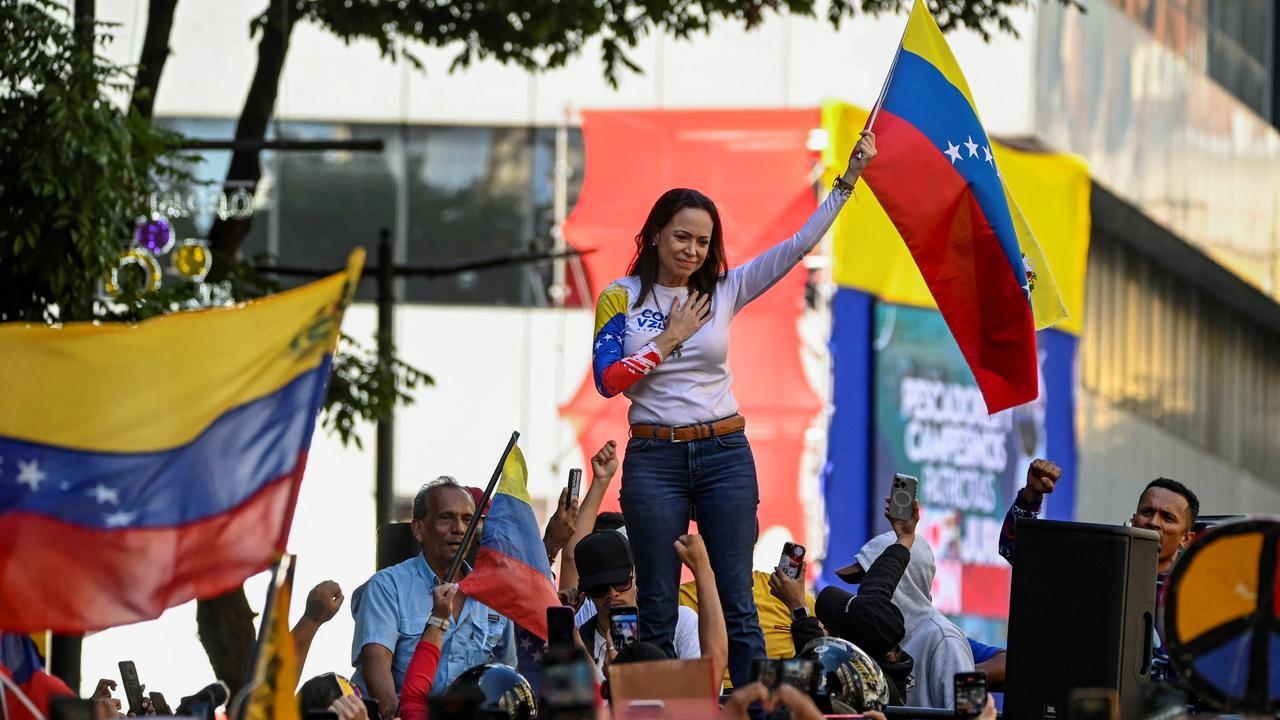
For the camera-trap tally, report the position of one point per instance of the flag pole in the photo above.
(884, 88)
(484, 502)
(6, 683)
(282, 571)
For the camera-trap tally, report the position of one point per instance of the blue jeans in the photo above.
(661, 481)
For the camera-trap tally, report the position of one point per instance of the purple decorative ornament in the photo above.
(154, 234)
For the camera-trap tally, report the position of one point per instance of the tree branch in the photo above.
(155, 52)
(276, 25)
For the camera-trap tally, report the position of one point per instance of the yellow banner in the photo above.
(1052, 192)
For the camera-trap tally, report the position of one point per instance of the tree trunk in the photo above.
(226, 628)
(155, 52)
(226, 236)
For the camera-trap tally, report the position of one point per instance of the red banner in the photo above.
(756, 167)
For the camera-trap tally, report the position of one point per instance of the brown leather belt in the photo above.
(685, 433)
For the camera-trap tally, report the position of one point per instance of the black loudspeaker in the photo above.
(395, 544)
(1082, 609)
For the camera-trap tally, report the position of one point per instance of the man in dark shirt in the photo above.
(1166, 506)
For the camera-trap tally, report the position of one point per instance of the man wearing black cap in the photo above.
(869, 619)
(607, 576)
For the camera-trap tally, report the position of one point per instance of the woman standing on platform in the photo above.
(662, 339)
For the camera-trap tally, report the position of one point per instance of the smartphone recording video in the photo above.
(970, 693)
(624, 625)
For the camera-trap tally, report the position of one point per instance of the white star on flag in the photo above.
(104, 494)
(987, 150)
(953, 151)
(29, 474)
(119, 519)
(973, 147)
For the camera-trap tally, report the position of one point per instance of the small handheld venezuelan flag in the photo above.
(937, 180)
(512, 574)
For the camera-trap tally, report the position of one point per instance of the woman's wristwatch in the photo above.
(441, 622)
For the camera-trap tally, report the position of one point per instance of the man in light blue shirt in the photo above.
(391, 610)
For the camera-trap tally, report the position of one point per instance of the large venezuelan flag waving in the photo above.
(512, 574)
(937, 180)
(145, 465)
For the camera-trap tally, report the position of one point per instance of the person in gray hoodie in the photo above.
(939, 647)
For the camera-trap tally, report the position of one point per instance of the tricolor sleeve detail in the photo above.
(613, 372)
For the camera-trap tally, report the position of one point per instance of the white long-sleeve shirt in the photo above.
(693, 384)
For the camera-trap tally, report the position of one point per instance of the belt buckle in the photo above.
(673, 429)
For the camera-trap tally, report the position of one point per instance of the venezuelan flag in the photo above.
(145, 465)
(937, 180)
(512, 574)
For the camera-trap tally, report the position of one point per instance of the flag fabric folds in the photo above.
(142, 466)
(275, 663)
(21, 663)
(938, 182)
(512, 574)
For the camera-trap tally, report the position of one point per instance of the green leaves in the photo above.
(544, 35)
(362, 388)
(77, 168)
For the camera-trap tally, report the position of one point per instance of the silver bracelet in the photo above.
(842, 187)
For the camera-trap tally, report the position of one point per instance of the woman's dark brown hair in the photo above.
(645, 263)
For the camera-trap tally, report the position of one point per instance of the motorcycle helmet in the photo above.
(492, 691)
(849, 680)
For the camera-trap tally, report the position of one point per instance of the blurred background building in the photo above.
(1173, 105)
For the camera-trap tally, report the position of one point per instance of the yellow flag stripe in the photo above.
(158, 384)
(515, 477)
(924, 38)
(1046, 304)
(613, 302)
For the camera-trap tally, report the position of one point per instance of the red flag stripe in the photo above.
(112, 583)
(961, 260)
(512, 588)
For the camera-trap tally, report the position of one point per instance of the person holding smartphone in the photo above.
(606, 576)
(938, 647)
(869, 619)
(662, 340)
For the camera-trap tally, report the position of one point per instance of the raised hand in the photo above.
(324, 601)
(1042, 475)
(604, 464)
(693, 552)
(904, 529)
(561, 525)
(790, 592)
(863, 153)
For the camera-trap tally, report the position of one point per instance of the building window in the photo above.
(1169, 353)
(450, 195)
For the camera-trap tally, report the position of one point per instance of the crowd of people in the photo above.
(423, 649)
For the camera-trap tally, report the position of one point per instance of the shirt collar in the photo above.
(424, 569)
